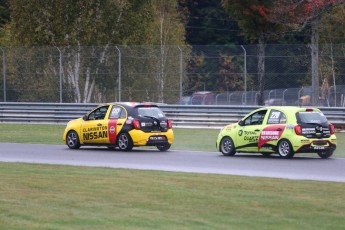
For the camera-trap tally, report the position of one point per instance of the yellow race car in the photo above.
(121, 125)
(285, 130)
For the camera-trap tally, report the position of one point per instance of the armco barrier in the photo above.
(184, 116)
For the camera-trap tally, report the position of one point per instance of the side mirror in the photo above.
(241, 123)
(85, 117)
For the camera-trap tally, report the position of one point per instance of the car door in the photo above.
(249, 131)
(272, 131)
(117, 118)
(94, 129)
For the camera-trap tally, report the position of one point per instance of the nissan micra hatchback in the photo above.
(283, 130)
(121, 125)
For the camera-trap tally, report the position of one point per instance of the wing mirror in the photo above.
(241, 123)
(85, 117)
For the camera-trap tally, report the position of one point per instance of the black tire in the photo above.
(325, 154)
(285, 149)
(124, 141)
(227, 147)
(163, 148)
(72, 140)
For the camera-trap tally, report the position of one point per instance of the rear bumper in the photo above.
(141, 138)
(302, 144)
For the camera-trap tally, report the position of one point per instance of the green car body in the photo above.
(285, 130)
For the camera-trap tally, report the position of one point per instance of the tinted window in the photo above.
(276, 117)
(311, 117)
(150, 112)
(99, 113)
(256, 118)
(117, 112)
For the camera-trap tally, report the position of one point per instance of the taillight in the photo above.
(169, 124)
(331, 129)
(136, 124)
(298, 130)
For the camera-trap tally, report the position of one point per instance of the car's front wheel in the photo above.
(72, 140)
(285, 149)
(163, 147)
(227, 146)
(125, 142)
(325, 154)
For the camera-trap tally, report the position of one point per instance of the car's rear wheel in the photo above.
(72, 140)
(227, 146)
(285, 149)
(163, 147)
(325, 154)
(125, 142)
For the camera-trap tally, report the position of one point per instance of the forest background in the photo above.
(155, 50)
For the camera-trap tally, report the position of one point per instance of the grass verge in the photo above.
(62, 197)
(185, 139)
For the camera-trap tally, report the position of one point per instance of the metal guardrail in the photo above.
(183, 116)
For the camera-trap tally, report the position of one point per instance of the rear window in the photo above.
(150, 112)
(311, 117)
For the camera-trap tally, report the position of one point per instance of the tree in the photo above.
(4, 19)
(252, 17)
(71, 25)
(207, 23)
(170, 30)
(298, 14)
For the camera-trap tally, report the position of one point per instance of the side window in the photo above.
(276, 117)
(256, 118)
(117, 112)
(98, 114)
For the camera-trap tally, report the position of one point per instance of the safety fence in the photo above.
(166, 74)
(183, 116)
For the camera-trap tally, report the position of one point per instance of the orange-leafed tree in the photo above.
(253, 18)
(299, 14)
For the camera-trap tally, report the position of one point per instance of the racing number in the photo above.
(117, 119)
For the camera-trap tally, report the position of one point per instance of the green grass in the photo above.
(185, 139)
(36, 196)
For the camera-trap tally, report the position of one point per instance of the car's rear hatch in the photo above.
(152, 119)
(313, 124)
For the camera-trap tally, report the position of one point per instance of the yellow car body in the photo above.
(285, 130)
(122, 125)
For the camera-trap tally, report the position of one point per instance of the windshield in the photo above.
(150, 112)
(311, 117)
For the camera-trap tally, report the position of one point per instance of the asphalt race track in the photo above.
(300, 168)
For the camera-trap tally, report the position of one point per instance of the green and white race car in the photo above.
(284, 130)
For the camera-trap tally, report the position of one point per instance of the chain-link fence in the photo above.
(171, 74)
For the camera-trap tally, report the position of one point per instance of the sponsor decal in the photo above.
(246, 133)
(308, 131)
(240, 132)
(270, 133)
(251, 138)
(291, 126)
(112, 130)
(94, 133)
